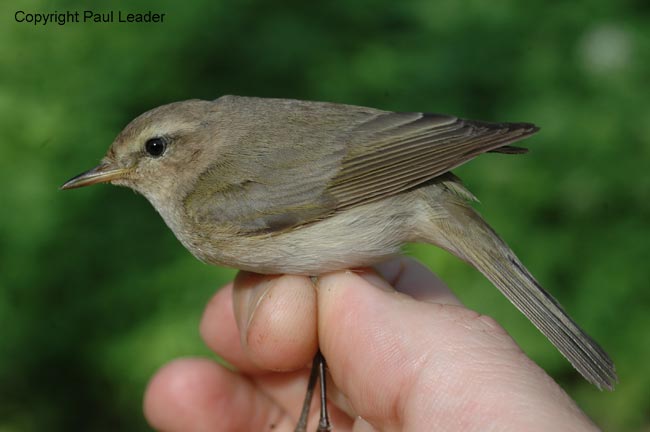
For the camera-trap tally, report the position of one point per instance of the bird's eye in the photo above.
(155, 146)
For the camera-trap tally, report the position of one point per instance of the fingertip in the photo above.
(193, 394)
(176, 395)
(277, 317)
(348, 300)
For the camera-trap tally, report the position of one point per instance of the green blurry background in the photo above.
(96, 293)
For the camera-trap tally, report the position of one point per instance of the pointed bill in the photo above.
(100, 174)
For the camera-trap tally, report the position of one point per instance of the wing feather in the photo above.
(431, 146)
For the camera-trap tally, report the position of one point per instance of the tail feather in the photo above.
(467, 235)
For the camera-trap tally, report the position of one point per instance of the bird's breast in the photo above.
(355, 237)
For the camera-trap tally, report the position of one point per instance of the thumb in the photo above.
(416, 365)
(377, 342)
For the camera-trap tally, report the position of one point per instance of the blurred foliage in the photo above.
(95, 292)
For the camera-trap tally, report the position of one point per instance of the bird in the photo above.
(283, 186)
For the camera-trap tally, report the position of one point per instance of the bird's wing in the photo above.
(306, 169)
(398, 151)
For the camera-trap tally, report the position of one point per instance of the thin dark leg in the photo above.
(304, 414)
(324, 424)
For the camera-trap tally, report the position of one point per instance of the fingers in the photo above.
(199, 395)
(273, 326)
(401, 363)
(270, 332)
(413, 278)
(413, 365)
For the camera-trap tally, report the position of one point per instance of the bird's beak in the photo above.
(100, 174)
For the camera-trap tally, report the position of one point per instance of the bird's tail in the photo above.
(462, 231)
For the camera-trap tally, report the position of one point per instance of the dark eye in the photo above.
(155, 146)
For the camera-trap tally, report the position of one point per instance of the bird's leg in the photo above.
(318, 371)
(313, 376)
(324, 424)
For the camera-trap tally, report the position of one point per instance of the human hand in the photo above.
(403, 355)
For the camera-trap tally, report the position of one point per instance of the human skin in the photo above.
(403, 355)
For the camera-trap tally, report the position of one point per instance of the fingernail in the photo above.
(252, 289)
